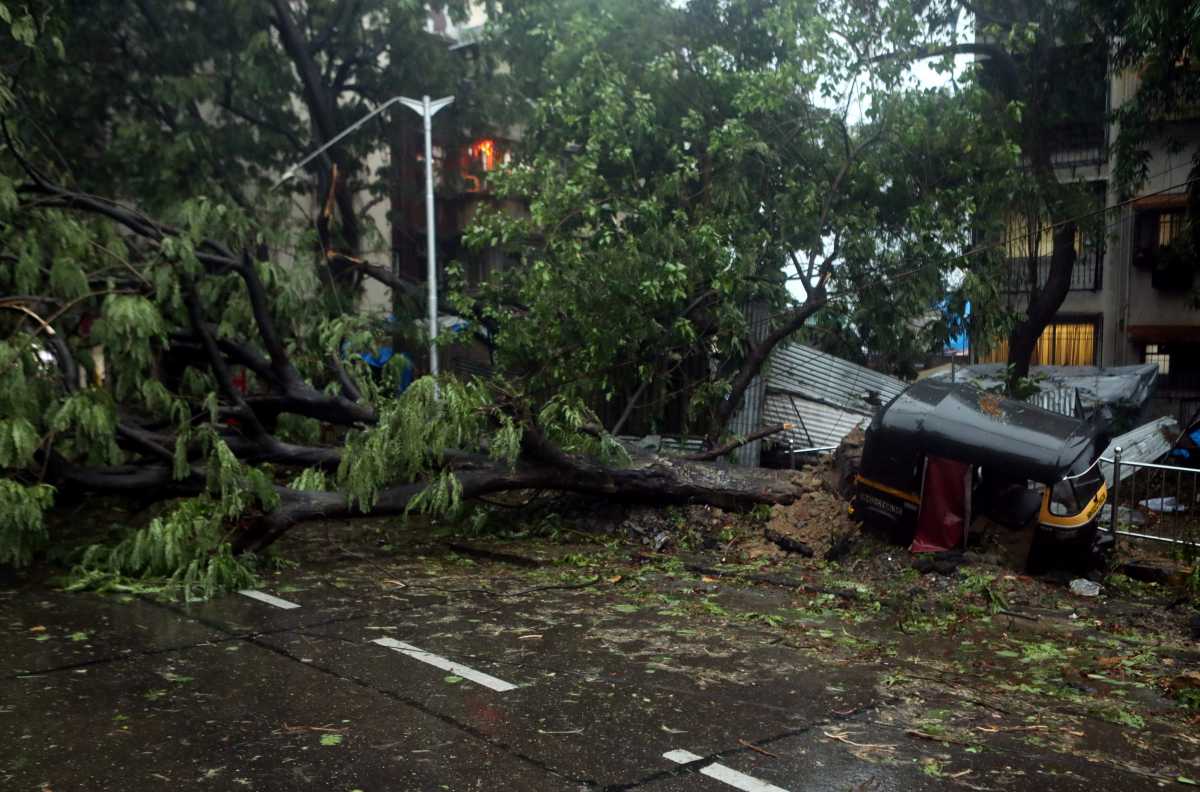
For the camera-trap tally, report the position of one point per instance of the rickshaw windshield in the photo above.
(1072, 495)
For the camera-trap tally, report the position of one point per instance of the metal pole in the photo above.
(1116, 495)
(431, 241)
(427, 110)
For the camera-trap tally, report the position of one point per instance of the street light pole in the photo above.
(427, 109)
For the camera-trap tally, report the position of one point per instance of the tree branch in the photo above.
(720, 451)
(631, 405)
(760, 352)
(219, 368)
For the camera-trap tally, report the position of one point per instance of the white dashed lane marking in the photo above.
(269, 599)
(722, 773)
(478, 677)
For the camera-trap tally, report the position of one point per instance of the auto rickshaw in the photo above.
(942, 453)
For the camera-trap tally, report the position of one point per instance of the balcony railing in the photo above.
(1085, 275)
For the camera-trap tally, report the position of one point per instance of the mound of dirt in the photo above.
(817, 521)
(818, 518)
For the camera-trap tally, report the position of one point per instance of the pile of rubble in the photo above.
(817, 523)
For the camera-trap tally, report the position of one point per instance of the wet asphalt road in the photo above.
(378, 685)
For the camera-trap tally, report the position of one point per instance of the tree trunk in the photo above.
(656, 480)
(321, 103)
(1043, 305)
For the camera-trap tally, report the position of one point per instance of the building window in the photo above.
(1027, 235)
(1061, 344)
(1178, 365)
(1160, 247)
(1158, 354)
(1153, 231)
(478, 160)
(1029, 238)
(1170, 226)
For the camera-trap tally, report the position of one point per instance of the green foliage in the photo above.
(235, 487)
(564, 421)
(207, 108)
(1190, 698)
(186, 551)
(131, 330)
(86, 424)
(442, 494)
(310, 480)
(415, 431)
(686, 160)
(18, 440)
(412, 434)
(22, 529)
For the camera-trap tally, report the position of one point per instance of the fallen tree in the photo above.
(431, 449)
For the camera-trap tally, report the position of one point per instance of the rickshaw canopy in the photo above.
(962, 422)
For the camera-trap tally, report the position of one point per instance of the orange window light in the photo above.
(485, 150)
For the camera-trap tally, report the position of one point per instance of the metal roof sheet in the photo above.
(1064, 401)
(815, 424)
(817, 376)
(1147, 443)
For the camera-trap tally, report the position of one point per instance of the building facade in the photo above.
(1130, 300)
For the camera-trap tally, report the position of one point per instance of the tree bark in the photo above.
(322, 109)
(1043, 305)
(657, 480)
(720, 451)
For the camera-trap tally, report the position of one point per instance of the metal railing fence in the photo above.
(1151, 501)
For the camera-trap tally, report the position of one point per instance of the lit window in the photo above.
(485, 152)
(1061, 344)
(1170, 226)
(1155, 354)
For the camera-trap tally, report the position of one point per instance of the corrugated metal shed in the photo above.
(824, 396)
(817, 425)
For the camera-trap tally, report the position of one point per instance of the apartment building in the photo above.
(1131, 299)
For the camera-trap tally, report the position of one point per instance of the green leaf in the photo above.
(332, 739)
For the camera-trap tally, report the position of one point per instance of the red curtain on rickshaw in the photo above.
(945, 506)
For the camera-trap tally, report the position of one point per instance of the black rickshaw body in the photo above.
(1019, 454)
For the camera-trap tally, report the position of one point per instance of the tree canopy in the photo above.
(721, 156)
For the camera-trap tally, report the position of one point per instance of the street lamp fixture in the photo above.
(291, 172)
